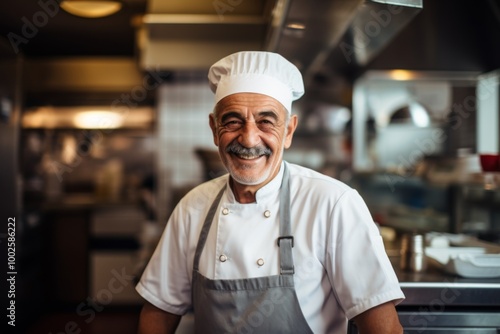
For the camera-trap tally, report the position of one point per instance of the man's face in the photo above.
(251, 131)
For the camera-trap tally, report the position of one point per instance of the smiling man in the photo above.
(251, 131)
(272, 247)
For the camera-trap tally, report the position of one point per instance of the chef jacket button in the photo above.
(267, 213)
(223, 258)
(260, 262)
(225, 211)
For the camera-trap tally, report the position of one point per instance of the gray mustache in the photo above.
(237, 148)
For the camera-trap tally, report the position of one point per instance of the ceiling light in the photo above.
(401, 75)
(296, 26)
(88, 117)
(295, 29)
(91, 9)
(98, 120)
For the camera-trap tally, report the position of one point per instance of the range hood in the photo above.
(176, 35)
(186, 35)
(354, 30)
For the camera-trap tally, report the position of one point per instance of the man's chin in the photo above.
(247, 179)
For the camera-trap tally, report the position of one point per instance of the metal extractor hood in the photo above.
(176, 35)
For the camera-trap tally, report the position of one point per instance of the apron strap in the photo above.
(206, 228)
(285, 240)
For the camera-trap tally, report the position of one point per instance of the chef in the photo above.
(271, 247)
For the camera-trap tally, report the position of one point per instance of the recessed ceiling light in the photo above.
(295, 29)
(91, 9)
(401, 75)
(296, 26)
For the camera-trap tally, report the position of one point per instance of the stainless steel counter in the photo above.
(437, 302)
(436, 287)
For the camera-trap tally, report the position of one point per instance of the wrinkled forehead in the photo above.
(250, 102)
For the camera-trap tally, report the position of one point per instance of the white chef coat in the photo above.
(341, 268)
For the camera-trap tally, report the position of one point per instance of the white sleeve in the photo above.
(166, 281)
(357, 264)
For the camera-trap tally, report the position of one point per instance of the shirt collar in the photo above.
(267, 192)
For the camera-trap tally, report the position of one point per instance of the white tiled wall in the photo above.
(183, 126)
(183, 110)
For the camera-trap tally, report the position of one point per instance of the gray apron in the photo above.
(250, 305)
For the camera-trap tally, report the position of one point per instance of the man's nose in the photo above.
(250, 135)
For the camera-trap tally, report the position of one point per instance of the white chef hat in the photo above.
(256, 72)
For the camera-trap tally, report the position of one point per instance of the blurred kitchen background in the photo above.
(104, 126)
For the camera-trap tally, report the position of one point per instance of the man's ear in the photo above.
(213, 126)
(290, 129)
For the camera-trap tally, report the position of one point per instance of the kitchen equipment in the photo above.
(212, 164)
(444, 254)
(490, 162)
(463, 255)
(469, 262)
(412, 253)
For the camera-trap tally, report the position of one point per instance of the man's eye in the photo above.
(233, 125)
(265, 124)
